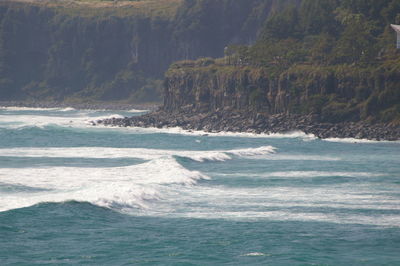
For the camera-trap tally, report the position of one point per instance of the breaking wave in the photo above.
(353, 140)
(17, 108)
(137, 111)
(139, 153)
(79, 120)
(117, 187)
(132, 186)
(181, 131)
(68, 109)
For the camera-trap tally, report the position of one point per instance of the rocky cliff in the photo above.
(329, 103)
(334, 94)
(58, 50)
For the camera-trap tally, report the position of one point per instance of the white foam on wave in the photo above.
(17, 108)
(23, 121)
(294, 134)
(254, 254)
(332, 204)
(263, 150)
(67, 109)
(117, 116)
(137, 111)
(299, 157)
(353, 140)
(374, 220)
(320, 174)
(78, 120)
(117, 187)
(188, 132)
(163, 187)
(307, 174)
(63, 117)
(140, 153)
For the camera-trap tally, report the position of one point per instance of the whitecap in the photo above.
(353, 140)
(263, 150)
(307, 174)
(116, 116)
(116, 187)
(18, 108)
(333, 204)
(137, 111)
(254, 254)
(189, 132)
(139, 153)
(77, 120)
(67, 109)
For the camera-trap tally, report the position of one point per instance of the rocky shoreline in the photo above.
(228, 120)
(235, 121)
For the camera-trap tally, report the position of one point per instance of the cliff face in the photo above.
(334, 94)
(329, 102)
(59, 51)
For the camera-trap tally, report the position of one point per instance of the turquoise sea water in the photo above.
(74, 194)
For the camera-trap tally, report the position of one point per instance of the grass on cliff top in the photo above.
(88, 8)
(208, 65)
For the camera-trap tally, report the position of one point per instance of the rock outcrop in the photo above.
(213, 97)
(230, 120)
(334, 95)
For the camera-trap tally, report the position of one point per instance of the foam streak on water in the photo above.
(307, 174)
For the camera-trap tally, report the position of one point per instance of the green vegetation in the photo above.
(337, 58)
(91, 8)
(329, 32)
(162, 9)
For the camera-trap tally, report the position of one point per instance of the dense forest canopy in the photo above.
(326, 32)
(332, 40)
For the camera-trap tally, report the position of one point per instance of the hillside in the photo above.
(81, 51)
(337, 60)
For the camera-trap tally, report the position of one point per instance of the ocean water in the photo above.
(76, 194)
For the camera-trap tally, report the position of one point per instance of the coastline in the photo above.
(241, 122)
(81, 106)
(228, 120)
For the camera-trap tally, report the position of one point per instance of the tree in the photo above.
(357, 42)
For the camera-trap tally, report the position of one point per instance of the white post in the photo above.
(398, 40)
(397, 29)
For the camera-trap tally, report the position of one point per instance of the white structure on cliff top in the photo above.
(397, 29)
